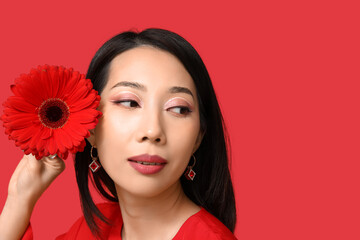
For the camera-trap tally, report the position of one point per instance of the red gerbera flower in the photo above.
(51, 111)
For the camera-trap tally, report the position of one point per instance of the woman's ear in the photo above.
(198, 140)
(91, 139)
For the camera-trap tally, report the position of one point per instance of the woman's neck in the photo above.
(158, 217)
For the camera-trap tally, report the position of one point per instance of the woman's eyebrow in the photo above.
(177, 89)
(139, 86)
(130, 84)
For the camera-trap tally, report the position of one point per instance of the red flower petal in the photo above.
(77, 131)
(11, 111)
(19, 124)
(44, 76)
(23, 134)
(37, 135)
(82, 103)
(40, 145)
(28, 151)
(90, 125)
(47, 133)
(73, 84)
(58, 136)
(52, 146)
(85, 116)
(80, 93)
(66, 138)
(63, 155)
(19, 104)
(33, 97)
(54, 77)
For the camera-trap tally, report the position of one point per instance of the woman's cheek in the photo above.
(120, 121)
(111, 129)
(184, 138)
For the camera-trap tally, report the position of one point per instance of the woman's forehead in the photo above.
(150, 67)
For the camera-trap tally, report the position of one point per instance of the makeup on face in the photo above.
(147, 164)
(174, 102)
(126, 96)
(150, 108)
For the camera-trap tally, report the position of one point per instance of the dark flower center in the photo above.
(53, 113)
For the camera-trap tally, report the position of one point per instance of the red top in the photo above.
(201, 225)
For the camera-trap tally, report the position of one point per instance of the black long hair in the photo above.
(212, 188)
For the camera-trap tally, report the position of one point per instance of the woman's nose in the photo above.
(151, 129)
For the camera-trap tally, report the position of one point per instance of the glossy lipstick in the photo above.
(147, 164)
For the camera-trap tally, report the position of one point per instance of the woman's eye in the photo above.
(128, 103)
(181, 110)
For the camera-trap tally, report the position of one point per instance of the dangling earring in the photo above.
(190, 174)
(94, 165)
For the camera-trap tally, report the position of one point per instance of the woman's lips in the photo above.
(147, 164)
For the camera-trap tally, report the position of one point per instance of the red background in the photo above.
(287, 78)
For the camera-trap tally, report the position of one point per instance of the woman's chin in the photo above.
(145, 188)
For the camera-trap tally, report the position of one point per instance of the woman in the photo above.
(158, 153)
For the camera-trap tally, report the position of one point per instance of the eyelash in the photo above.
(188, 111)
(131, 101)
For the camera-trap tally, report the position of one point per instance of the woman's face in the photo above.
(149, 106)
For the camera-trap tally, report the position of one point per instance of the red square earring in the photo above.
(94, 165)
(190, 173)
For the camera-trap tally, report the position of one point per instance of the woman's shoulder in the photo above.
(80, 229)
(204, 225)
(109, 209)
(201, 225)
